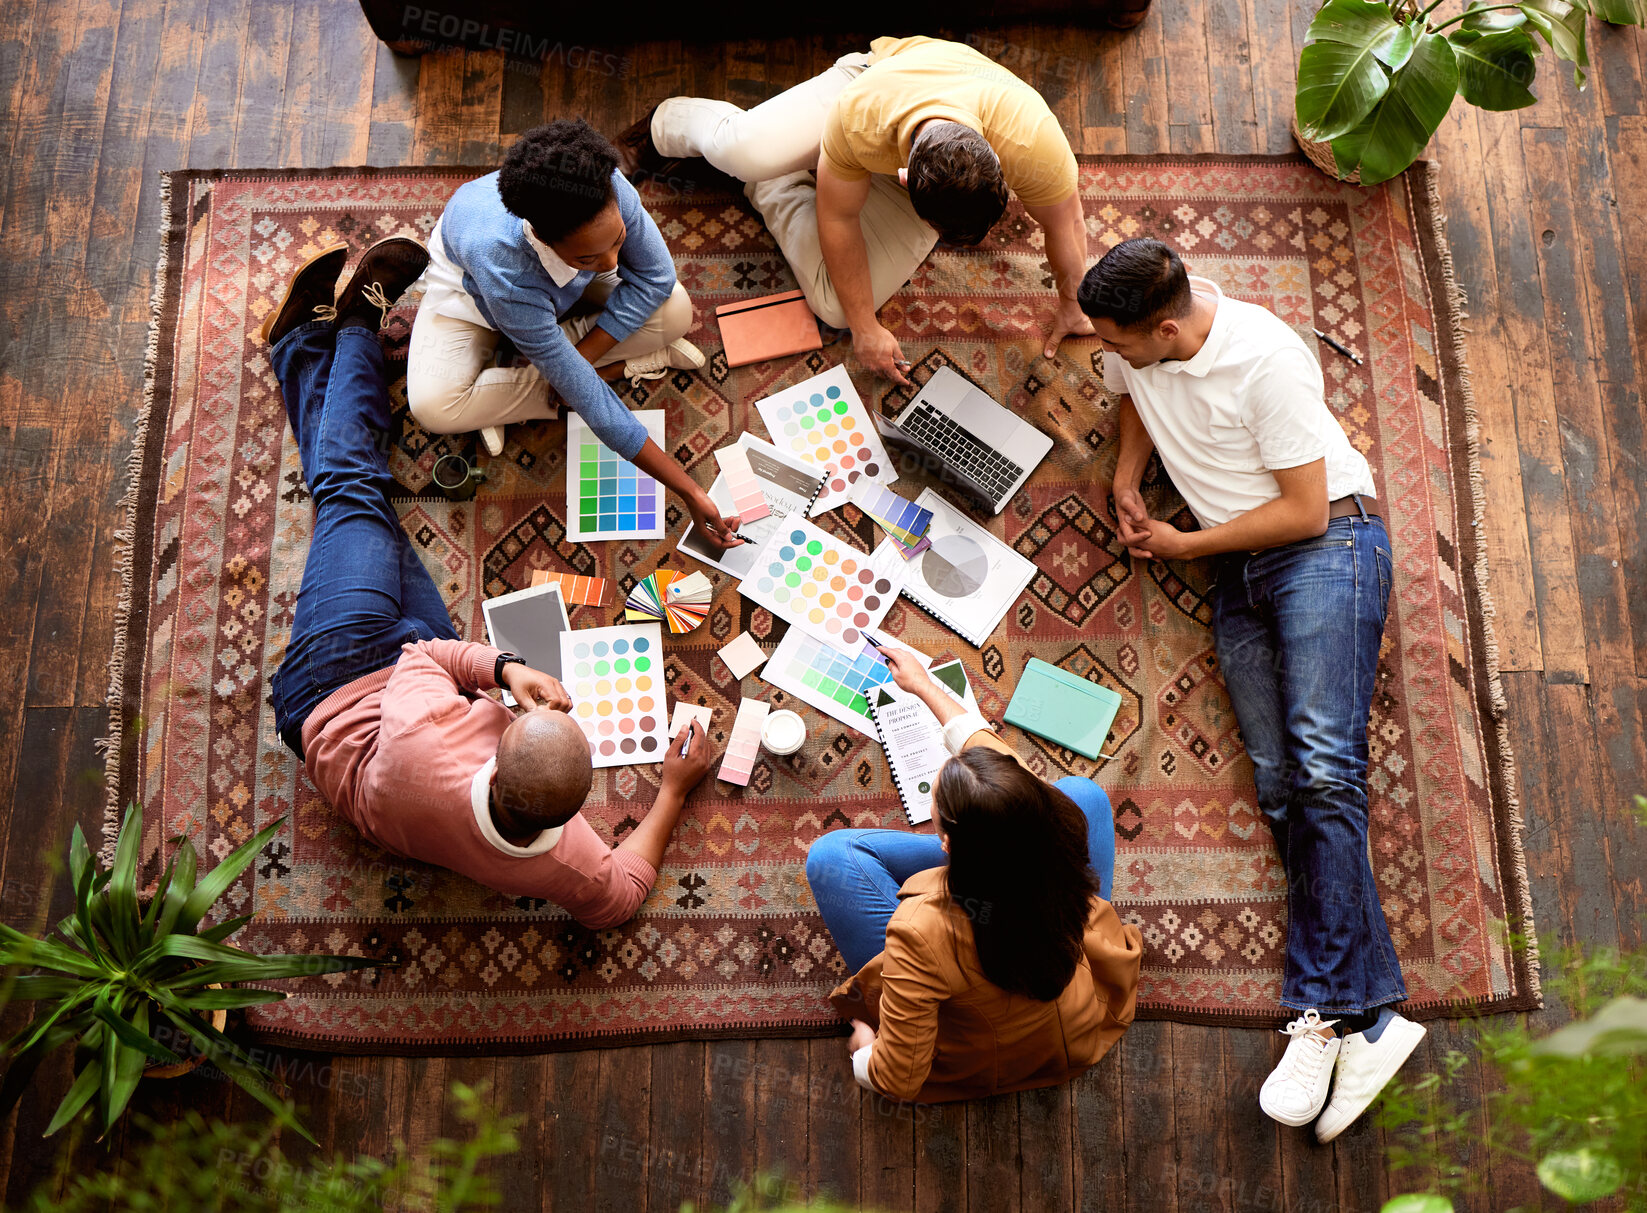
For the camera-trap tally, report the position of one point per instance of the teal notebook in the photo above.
(1062, 707)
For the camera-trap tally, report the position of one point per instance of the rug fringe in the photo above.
(1456, 303)
(124, 541)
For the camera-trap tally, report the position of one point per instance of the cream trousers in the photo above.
(451, 388)
(773, 148)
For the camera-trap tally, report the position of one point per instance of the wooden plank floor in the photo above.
(1550, 239)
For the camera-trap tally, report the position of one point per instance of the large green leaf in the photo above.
(1391, 137)
(1399, 49)
(1581, 1176)
(122, 894)
(130, 1034)
(177, 892)
(218, 880)
(1620, 1027)
(1339, 74)
(1494, 69)
(1485, 19)
(1620, 12)
(128, 1069)
(1338, 85)
(269, 968)
(85, 1086)
(218, 1000)
(19, 949)
(1562, 25)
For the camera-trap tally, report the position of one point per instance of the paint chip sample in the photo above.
(744, 745)
(742, 655)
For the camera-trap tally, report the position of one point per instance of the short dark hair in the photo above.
(558, 177)
(1137, 284)
(955, 183)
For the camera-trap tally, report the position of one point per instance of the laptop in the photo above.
(969, 439)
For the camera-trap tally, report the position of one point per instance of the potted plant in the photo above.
(119, 971)
(1377, 76)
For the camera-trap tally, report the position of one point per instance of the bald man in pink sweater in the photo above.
(385, 705)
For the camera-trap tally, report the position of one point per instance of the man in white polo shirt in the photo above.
(1233, 403)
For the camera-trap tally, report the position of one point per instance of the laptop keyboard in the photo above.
(962, 449)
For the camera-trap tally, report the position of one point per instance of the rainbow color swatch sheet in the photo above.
(820, 584)
(823, 421)
(607, 497)
(615, 678)
(835, 682)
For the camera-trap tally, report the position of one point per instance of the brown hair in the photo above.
(955, 182)
(1019, 868)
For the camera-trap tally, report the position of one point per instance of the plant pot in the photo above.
(193, 1061)
(1319, 153)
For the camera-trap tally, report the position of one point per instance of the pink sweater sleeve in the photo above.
(608, 884)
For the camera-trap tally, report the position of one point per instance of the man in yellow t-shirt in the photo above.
(858, 172)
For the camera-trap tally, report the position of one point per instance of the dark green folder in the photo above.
(1063, 707)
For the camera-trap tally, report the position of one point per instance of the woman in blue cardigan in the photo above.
(556, 252)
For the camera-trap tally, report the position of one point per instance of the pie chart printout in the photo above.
(955, 566)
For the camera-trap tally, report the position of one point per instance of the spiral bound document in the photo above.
(967, 579)
(913, 739)
(789, 484)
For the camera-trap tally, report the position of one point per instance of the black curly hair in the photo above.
(558, 177)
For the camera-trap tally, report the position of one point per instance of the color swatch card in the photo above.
(745, 743)
(615, 678)
(820, 584)
(903, 521)
(789, 484)
(822, 420)
(608, 497)
(968, 579)
(747, 499)
(742, 654)
(576, 589)
(690, 711)
(679, 599)
(835, 682)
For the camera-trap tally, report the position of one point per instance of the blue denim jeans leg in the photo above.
(855, 875)
(364, 591)
(1297, 629)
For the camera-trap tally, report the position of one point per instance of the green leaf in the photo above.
(122, 896)
(217, 882)
(1582, 1175)
(227, 1056)
(185, 947)
(128, 1070)
(87, 933)
(1418, 1202)
(26, 989)
(225, 929)
(80, 1093)
(19, 949)
(1620, 1027)
(1338, 85)
(1620, 12)
(1395, 53)
(1485, 20)
(152, 914)
(1562, 25)
(130, 1035)
(1392, 136)
(79, 856)
(1355, 22)
(1495, 69)
(177, 892)
(269, 968)
(218, 1000)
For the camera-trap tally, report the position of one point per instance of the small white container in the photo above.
(783, 733)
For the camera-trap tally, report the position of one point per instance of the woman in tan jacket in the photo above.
(987, 957)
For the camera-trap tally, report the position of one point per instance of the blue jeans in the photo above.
(1297, 630)
(364, 591)
(856, 874)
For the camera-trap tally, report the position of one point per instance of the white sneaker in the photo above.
(1296, 1089)
(1364, 1066)
(678, 355)
(492, 436)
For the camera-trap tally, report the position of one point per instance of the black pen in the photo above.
(1337, 347)
(687, 744)
(880, 644)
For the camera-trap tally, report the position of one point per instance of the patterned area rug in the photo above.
(729, 943)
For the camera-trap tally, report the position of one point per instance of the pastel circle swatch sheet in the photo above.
(615, 678)
(823, 586)
(823, 421)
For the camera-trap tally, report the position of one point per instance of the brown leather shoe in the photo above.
(309, 292)
(638, 156)
(385, 271)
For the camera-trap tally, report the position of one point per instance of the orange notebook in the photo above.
(755, 330)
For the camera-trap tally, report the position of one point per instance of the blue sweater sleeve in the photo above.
(646, 271)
